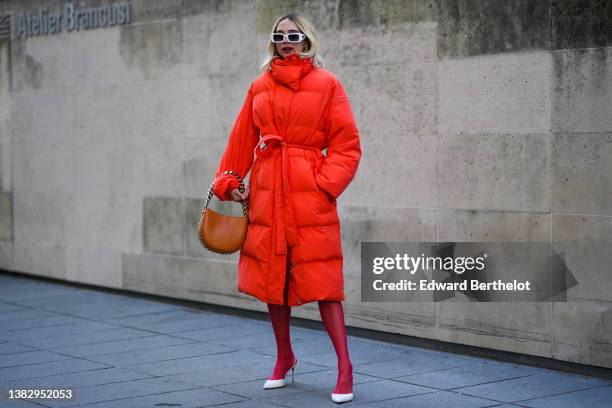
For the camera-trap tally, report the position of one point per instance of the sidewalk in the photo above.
(121, 351)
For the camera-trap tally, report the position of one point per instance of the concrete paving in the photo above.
(123, 351)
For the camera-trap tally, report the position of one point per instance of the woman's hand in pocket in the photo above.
(236, 195)
(325, 193)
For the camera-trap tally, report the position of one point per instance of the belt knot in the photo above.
(263, 149)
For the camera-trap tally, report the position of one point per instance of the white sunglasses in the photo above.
(291, 37)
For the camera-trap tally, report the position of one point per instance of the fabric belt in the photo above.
(282, 196)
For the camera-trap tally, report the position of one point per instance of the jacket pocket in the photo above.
(325, 202)
(316, 170)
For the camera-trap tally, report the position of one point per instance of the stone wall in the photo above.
(480, 120)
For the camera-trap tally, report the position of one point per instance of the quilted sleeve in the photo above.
(238, 155)
(343, 146)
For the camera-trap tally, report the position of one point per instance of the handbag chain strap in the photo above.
(245, 208)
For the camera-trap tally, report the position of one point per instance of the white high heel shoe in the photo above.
(281, 382)
(338, 398)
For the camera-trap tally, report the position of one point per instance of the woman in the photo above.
(292, 254)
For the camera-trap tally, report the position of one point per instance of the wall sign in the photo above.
(71, 18)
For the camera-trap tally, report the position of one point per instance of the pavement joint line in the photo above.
(84, 344)
(135, 350)
(562, 393)
(492, 382)
(368, 402)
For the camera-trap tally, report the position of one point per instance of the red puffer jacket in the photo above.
(290, 114)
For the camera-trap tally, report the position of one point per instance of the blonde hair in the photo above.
(311, 43)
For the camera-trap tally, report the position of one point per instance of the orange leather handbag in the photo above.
(221, 233)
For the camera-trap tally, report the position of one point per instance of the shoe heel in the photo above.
(293, 371)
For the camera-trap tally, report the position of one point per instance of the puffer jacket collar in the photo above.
(290, 70)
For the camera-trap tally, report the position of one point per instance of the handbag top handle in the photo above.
(245, 207)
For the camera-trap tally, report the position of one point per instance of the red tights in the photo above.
(332, 315)
(280, 316)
